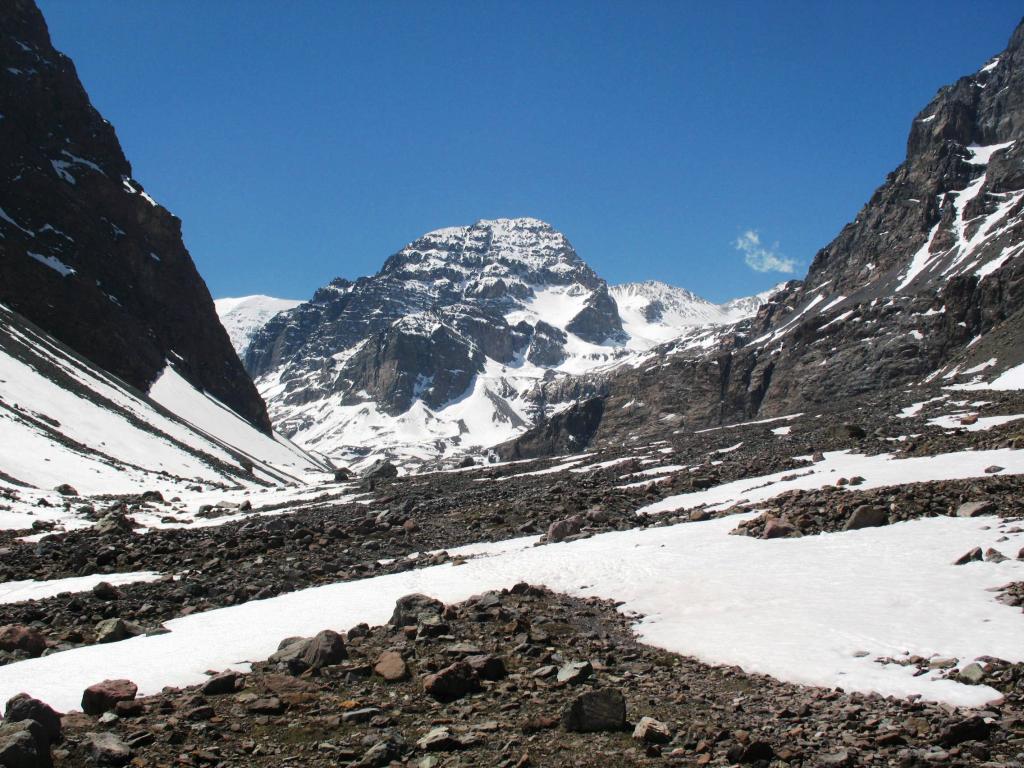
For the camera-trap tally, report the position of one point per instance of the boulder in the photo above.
(17, 637)
(574, 673)
(412, 609)
(439, 740)
(225, 682)
(560, 530)
(114, 630)
(866, 516)
(975, 508)
(24, 744)
(391, 666)
(102, 697)
(488, 666)
(24, 707)
(107, 749)
(603, 709)
(380, 470)
(452, 682)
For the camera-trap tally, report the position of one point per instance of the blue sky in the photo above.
(675, 141)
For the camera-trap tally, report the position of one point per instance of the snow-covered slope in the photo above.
(244, 315)
(464, 339)
(654, 312)
(64, 421)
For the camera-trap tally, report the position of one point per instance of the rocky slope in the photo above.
(924, 284)
(466, 337)
(87, 255)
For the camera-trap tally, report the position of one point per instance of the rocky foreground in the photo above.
(513, 678)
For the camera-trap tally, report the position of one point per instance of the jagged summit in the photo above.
(465, 337)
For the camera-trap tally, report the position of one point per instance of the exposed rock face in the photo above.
(87, 255)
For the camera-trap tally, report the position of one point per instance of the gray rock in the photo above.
(108, 749)
(651, 731)
(972, 674)
(866, 516)
(603, 709)
(975, 508)
(114, 630)
(413, 609)
(439, 740)
(24, 744)
(574, 673)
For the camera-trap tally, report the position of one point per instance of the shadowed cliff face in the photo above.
(85, 253)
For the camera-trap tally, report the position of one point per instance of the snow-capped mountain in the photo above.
(466, 337)
(657, 312)
(244, 315)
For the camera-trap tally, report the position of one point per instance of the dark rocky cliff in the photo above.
(85, 253)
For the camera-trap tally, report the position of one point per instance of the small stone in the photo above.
(968, 557)
(106, 591)
(651, 731)
(391, 666)
(750, 752)
(574, 673)
(603, 709)
(993, 555)
(972, 674)
(994, 469)
(439, 740)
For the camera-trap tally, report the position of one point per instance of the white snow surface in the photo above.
(243, 316)
(878, 471)
(803, 610)
(18, 591)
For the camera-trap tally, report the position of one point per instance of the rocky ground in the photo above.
(508, 667)
(395, 520)
(517, 678)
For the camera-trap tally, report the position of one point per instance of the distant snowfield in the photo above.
(244, 315)
(803, 610)
(878, 471)
(30, 589)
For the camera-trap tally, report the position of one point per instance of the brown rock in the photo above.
(391, 666)
(102, 697)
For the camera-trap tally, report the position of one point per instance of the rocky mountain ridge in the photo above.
(87, 255)
(466, 337)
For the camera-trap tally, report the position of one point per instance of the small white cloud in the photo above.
(761, 258)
